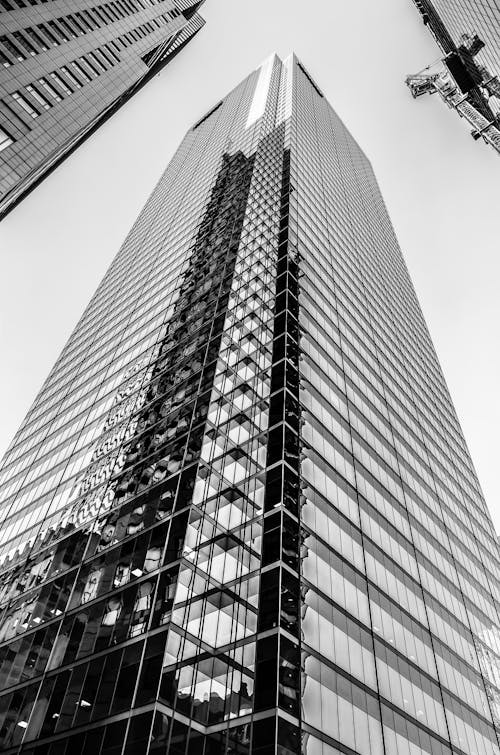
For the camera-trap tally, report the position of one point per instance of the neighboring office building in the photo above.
(468, 33)
(65, 67)
(241, 516)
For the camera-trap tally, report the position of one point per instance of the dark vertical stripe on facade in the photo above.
(278, 656)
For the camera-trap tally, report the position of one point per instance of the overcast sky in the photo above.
(439, 185)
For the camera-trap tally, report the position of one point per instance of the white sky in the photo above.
(439, 185)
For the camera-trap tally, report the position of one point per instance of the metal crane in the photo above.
(463, 84)
(442, 83)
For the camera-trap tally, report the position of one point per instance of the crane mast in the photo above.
(443, 84)
(462, 83)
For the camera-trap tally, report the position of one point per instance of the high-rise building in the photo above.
(67, 67)
(241, 516)
(468, 34)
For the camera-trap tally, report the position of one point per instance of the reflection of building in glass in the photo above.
(490, 667)
(468, 34)
(241, 517)
(67, 68)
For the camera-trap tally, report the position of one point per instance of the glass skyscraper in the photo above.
(241, 516)
(66, 68)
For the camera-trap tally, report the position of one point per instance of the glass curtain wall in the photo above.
(241, 516)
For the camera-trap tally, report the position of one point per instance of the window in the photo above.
(60, 81)
(97, 61)
(108, 15)
(88, 67)
(58, 31)
(74, 80)
(84, 22)
(4, 60)
(77, 24)
(25, 43)
(80, 72)
(92, 17)
(11, 47)
(23, 102)
(113, 46)
(50, 89)
(67, 28)
(45, 104)
(114, 11)
(109, 52)
(43, 28)
(122, 8)
(5, 139)
(100, 15)
(35, 38)
(91, 585)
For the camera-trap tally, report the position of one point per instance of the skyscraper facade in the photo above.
(241, 517)
(468, 34)
(65, 68)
